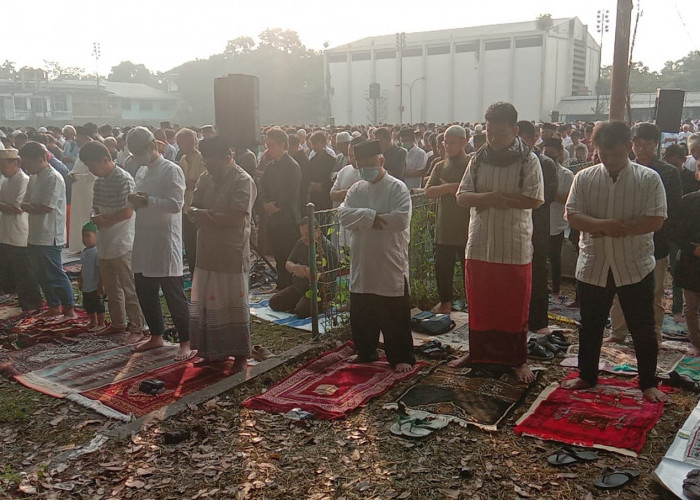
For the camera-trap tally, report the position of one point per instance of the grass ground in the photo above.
(239, 453)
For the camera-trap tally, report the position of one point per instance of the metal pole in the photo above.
(313, 271)
(620, 71)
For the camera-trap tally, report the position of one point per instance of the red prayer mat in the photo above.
(611, 416)
(330, 387)
(23, 331)
(180, 379)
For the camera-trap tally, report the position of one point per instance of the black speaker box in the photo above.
(237, 108)
(669, 109)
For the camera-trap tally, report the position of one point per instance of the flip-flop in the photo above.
(428, 345)
(405, 426)
(568, 455)
(535, 350)
(434, 424)
(612, 478)
(550, 346)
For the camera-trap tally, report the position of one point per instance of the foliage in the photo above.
(544, 22)
(240, 45)
(127, 71)
(8, 70)
(56, 71)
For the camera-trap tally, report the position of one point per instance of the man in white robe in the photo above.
(81, 195)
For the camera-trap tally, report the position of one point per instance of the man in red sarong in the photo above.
(501, 185)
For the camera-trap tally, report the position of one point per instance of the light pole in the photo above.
(410, 95)
(96, 53)
(602, 27)
(400, 45)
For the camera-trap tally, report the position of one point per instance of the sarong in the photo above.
(499, 302)
(219, 315)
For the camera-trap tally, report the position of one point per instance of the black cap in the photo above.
(82, 131)
(356, 141)
(367, 149)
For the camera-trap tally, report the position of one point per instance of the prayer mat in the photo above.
(8, 310)
(674, 330)
(181, 378)
(563, 314)
(621, 360)
(261, 309)
(331, 386)
(73, 270)
(23, 331)
(62, 349)
(482, 396)
(96, 370)
(689, 367)
(612, 416)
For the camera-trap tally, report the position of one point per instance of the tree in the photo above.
(286, 41)
(126, 71)
(56, 71)
(544, 22)
(8, 70)
(240, 45)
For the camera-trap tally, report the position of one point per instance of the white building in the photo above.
(454, 75)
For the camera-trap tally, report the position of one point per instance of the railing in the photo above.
(330, 281)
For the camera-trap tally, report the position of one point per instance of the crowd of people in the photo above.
(509, 192)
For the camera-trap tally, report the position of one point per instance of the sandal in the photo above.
(406, 426)
(558, 337)
(535, 350)
(567, 456)
(550, 346)
(612, 478)
(261, 353)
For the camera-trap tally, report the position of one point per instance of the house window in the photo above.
(21, 104)
(146, 105)
(59, 103)
(126, 104)
(38, 104)
(165, 106)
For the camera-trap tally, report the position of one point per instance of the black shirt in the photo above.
(689, 183)
(395, 162)
(540, 215)
(281, 185)
(671, 179)
(300, 255)
(320, 169)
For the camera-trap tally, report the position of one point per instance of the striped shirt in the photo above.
(637, 192)
(111, 191)
(502, 236)
(109, 195)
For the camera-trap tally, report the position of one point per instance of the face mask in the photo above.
(369, 173)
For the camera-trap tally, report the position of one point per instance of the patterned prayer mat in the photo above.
(620, 359)
(20, 331)
(674, 330)
(689, 367)
(181, 379)
(331, 386)
(611, 416)
(481, 396)
(96, 370)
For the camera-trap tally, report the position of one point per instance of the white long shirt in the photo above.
(637, 192)
(47, 188)
(379, 257)
(158, 233)
(416, 159)
(347, 176)
(14, 228)
(557, 223)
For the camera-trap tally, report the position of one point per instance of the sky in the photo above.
(163, 35)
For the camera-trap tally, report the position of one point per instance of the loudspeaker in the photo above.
(237, 108)
(555, 116)
(669, 109)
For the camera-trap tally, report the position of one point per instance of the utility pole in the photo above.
(602, 27)
(620, 71)
(400, 45)
(96, 53)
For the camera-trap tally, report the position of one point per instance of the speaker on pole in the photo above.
(669, 109)
(237, 108)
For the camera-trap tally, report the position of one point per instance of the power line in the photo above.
(687, 31)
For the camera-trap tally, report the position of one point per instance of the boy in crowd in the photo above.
(89, 281)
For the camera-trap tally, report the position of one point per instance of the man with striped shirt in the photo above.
(617, 206)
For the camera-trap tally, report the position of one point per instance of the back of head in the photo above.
(502, 112)
(33, 150)
(382, 134)
(526, 129)
(215, 147)
(94, 151)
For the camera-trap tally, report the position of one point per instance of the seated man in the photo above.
(293, 298)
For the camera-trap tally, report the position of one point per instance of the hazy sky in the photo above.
(164, 34)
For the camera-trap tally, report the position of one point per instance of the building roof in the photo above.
(585, 105)
(124, 90)
(470, 32)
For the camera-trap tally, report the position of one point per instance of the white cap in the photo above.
(343, 137)
(356, 134)
(42, 130)
(301, 131)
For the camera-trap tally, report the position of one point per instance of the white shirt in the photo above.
(347, 176)
(379, 263)
(47, 188)
(14, 228)
(683, 137)
(557, 223)
(502, 236)
(416, 159)
(690, 163)
(638, 192)
(158, 232)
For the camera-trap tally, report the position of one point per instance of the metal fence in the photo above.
(332, 286)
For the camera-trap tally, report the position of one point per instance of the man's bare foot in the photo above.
(572, 303)
(154, 342)
(402, 367)
(239, 364)
(442, 308)
(693, 352)
(524, 374)
(112, 330)
(91, 325)
(135, 338)
(545, 331)
(459, 362)
(69, 313)
(575, 384)
(98, 328)
(613, 338)
(183, 352)
(50, 312)
(653, 395)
